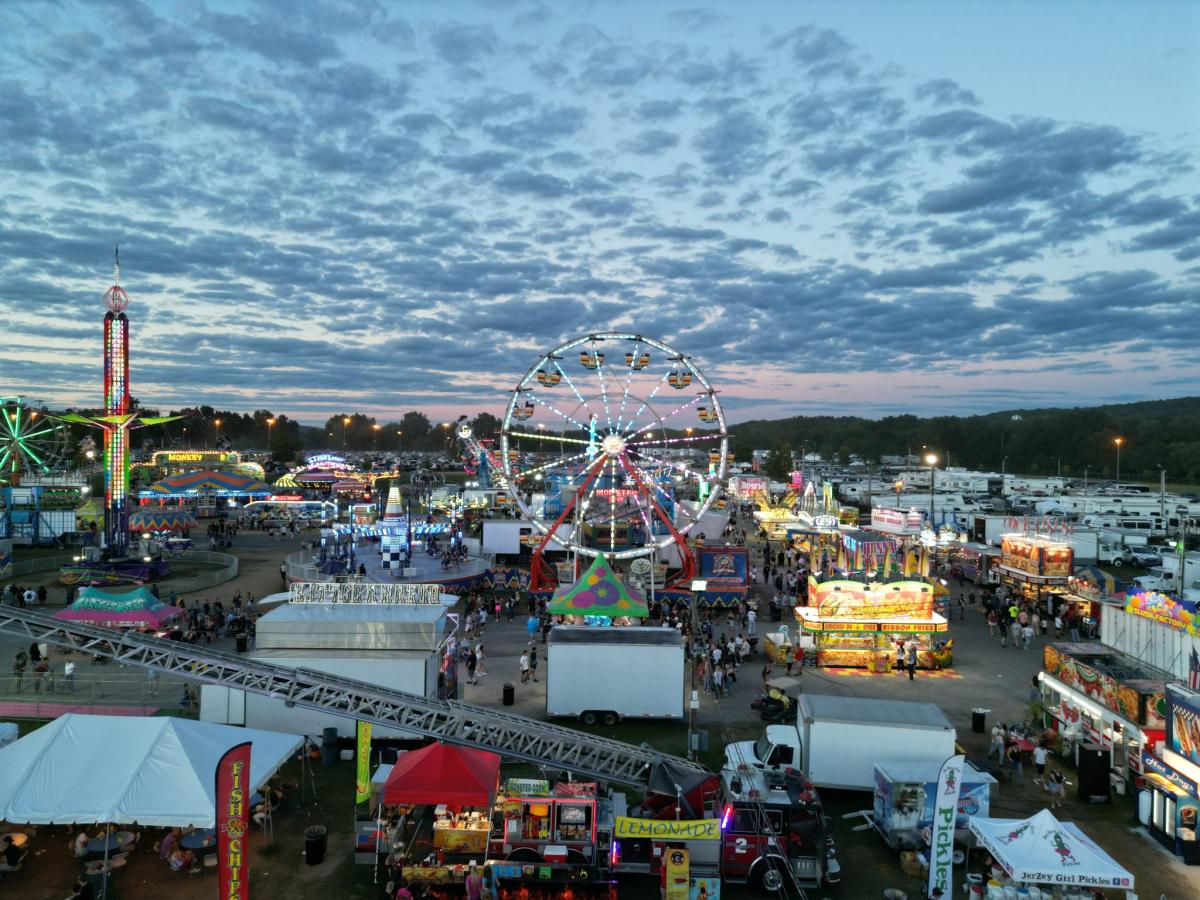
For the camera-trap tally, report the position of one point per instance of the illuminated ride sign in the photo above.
(365, 593)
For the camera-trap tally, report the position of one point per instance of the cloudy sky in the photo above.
(859, 207)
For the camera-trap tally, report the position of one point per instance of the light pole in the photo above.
(345, 423)
(1162, 494)
(399, 441)
(897, 486)
(1086, 469)
(217, 438)
(270, 425)
(1003, 468)
(185, 438)
(1119, 441)
(931, 461)
(1181, 548)
(376, 428)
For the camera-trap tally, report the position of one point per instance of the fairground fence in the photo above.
(48, 695)
(226, 569)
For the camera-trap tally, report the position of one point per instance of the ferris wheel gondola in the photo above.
(602, 471)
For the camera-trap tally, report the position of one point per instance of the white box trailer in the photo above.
(608, 674)
(395, 646)
(837, 741)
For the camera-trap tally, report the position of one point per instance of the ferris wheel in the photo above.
(30, 440)
(604, 437)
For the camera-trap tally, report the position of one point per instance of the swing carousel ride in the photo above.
(602, 439)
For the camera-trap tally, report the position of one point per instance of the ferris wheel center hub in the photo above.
(613, 445)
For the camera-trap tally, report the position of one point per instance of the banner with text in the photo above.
(233, 823)
(945, 811)
(669, 829)
(362, 756)
(364, 592)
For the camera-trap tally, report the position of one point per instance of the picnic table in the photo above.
(111, 844)
(202, 841)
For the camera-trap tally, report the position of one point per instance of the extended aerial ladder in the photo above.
(512, 736)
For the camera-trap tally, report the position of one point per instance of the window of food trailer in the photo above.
(574, 822)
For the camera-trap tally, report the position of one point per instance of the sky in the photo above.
(857, 208)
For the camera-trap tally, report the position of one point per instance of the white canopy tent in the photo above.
(153, 771)
(1043, 850)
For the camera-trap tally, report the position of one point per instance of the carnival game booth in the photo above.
(1089, 590)
(1098, 697)
(859, 624)
(905, 794)
(205, 493)
(1168, 800)
(1050, 857)
(460, 783)
(1035, 568)
(725, 572)
(138, 608)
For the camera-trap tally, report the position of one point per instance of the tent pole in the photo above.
(104, 871)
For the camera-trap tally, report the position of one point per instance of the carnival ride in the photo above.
(31, 441)
(601, 472)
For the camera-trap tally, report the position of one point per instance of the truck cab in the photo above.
(778, 749)
(774, 833)
(1157, 579)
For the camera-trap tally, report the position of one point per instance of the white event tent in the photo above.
(1043, 850)
(153, 772)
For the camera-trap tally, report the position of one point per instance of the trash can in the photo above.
(315, 837)
(979, 721)
(509, 693)
(243, 641)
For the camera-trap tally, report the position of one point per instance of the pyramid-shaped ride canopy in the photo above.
(1043, 850)
(599, 592)
(440, 773)
(218, 484)
(138, 608)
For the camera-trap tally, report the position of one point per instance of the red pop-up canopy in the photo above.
(456, 776)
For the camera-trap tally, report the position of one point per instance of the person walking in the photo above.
(524, 664)
(1015, 771)
(1014, 632)
(531, 626)
(69, 675)
(997, 745)
(479, 661)
(1039, 763)
(992, 621)
(533, 662)
(1057, 785)
(1026, 636)
(472, 665)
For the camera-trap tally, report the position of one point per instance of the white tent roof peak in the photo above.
(156, 771)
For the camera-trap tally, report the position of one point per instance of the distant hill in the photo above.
(1036, 441)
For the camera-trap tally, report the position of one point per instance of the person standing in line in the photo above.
(751, 623)
(718, 679)
(69, 675)
(912, 660)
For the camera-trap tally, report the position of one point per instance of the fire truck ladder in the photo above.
(512, 736)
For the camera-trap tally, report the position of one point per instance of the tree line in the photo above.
(1153, 434)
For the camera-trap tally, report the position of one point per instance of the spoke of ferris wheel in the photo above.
(658, 421)
(648, 478)
(625, 387)
(33, 434)
(558, 412)
(663, 442)
(603, 389)
(554, 462)
(612, 505)
(548, 436)
(665, 462)
(578, 396)
(654, 393)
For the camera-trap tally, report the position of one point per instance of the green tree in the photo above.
(485, 426)
(416, 428)
(779, 462)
